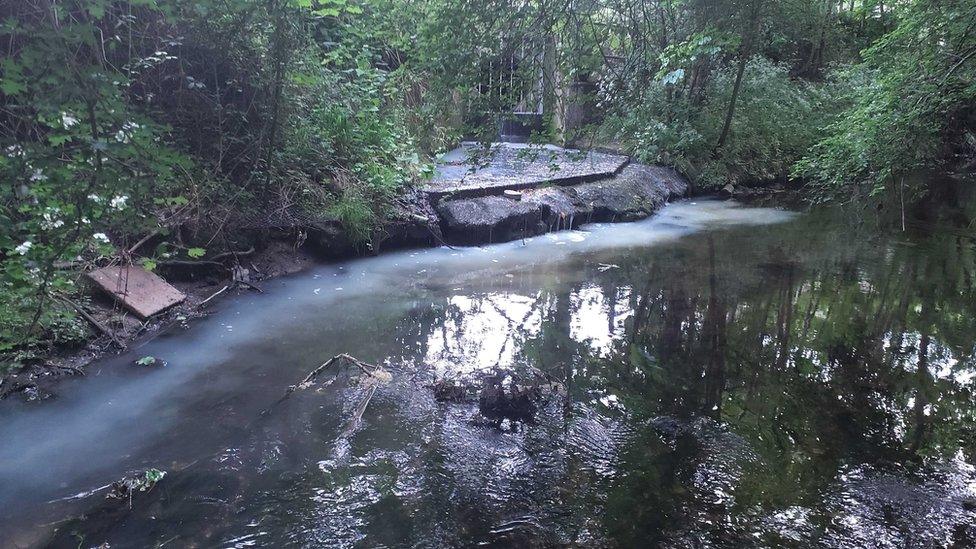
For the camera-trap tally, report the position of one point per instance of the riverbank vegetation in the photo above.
(149, 131)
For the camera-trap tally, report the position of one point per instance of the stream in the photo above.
(734, 377)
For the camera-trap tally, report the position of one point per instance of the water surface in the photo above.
(735, 377)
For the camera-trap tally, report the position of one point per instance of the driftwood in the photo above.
(357, 416)
(211, 261)
(251, 285)
(190, 263)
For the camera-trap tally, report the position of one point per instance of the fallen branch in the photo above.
(98, 325)
(251, 286)
(187, 263)
(215, 294)
(233, 253)
(142, 241)
(357, 416)
(155, 232)
(367, 368)
(213, 261)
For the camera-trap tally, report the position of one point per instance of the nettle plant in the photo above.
(78, 162)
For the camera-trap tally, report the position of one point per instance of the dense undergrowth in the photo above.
(182, 121)
(148, 131)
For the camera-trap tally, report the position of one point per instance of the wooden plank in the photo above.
(139, 291)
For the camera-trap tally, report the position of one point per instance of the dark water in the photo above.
(735, 377)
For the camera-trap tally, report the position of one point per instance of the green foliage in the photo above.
(174, 118)
(181, 120)
(909, 101)
(776, 120)
(82, 161)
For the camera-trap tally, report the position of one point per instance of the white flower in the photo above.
(38, 175)
(51, 220)
(121, 137)
(95, 198)
(24, 248)
(67, 120)
(101, 237)
(118, 202)
(14, 151)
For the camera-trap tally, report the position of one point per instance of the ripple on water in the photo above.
(595, 440)
(933, 507)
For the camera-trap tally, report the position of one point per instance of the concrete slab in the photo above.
(139, 291)
(471, 170)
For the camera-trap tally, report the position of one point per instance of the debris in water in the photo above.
(502, 397)
(449, 390)
(375, 374)
(149, 360)
(127, 486)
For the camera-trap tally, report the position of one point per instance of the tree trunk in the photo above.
(735, 96)
(744, 54)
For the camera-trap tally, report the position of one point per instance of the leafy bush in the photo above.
(83, 161)
(176, 118)
(776, 120)
(907, 102)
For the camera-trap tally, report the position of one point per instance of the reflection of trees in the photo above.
(816, 343)
(817, 347)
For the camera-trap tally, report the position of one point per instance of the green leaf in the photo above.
(96, 9)
(153, 476)
(58, 140)
(196, 253)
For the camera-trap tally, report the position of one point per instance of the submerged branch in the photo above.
(371, 370)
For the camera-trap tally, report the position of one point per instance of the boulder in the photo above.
(489, 219)
(637, 192)
(413, 223)
(562, 206)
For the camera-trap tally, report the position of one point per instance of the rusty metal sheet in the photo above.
(140, 291)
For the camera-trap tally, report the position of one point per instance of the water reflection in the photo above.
(801, 381)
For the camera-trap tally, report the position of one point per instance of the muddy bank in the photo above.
(202, 287)
(253, 254)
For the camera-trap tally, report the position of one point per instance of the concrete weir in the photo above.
(509, 191)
